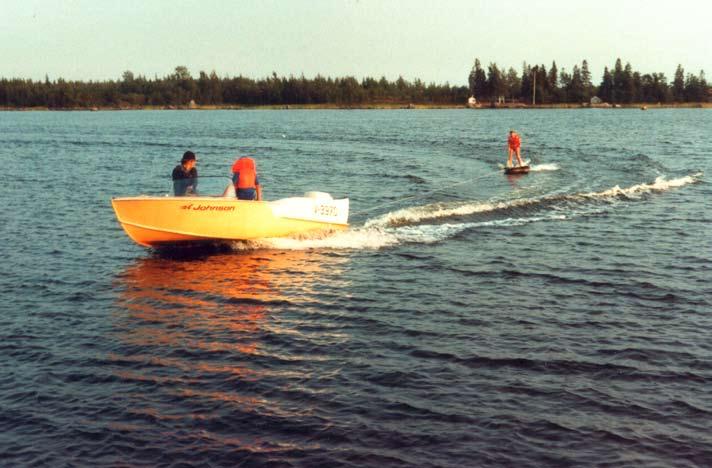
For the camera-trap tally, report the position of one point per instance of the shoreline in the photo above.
(375, 106)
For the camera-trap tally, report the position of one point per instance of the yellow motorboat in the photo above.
(154, 221)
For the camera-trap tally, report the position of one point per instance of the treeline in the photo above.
(180, 88)
(618, 85)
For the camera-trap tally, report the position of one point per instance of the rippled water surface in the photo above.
(465, 319)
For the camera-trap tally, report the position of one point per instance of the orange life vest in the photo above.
(247, 171)
(514, 141)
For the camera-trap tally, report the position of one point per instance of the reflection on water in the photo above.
(199, 334)
(175, 301)
(514, 179)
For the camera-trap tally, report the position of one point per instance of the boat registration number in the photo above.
(325, 210)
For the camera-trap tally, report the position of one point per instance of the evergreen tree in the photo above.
(647, 86)
(626, 89)
(553, 83)
(586, 80)
(565, 85)
(696, 89)
(471, 77)
(127, 85)
(618, 82)
(637, 87)
(209, 89)
(525, 93)
(513, 84)
(496, 86)
(478, 81)
(678, 84)
(576, 89)
(542, 85)
(182, 73)
(215, 88)
(706, 90)
(605, 90)
(662, 91)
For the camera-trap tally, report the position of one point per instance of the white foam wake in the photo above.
(544, 167)
(418, 214)
(661, 184)
(355, 238)
(375, 238)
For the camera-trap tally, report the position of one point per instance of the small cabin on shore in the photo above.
(597, 102)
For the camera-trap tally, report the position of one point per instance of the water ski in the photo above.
(517, 169)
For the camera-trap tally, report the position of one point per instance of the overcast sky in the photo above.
(435, 41)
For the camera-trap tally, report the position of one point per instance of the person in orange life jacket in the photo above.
(514, 143)
(185, 176)
(244, 177)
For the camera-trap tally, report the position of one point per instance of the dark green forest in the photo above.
(179, 88)
(620, 84)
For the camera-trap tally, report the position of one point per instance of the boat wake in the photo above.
(374, 238)
(661, 184)
(544, 167)
(418, 214)
(429, 224)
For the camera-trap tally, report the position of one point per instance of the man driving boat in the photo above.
(185, 176)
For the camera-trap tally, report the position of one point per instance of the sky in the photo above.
(435, 41)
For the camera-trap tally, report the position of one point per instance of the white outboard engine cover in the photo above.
(318, 195)
(313, 206)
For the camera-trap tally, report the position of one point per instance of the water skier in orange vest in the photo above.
(514, 143)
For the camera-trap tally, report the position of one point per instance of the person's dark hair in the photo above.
(187, 156)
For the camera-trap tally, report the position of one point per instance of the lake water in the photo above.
(466, 319)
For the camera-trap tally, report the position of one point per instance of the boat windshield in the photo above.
(203, 186)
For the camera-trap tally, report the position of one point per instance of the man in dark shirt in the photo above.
(185, 176)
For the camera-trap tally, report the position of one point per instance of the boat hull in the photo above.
(169, 221)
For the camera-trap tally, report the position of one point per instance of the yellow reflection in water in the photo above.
(187, 324)
(169, 299)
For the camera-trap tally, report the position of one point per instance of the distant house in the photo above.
(598, 102)
(472, 102)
